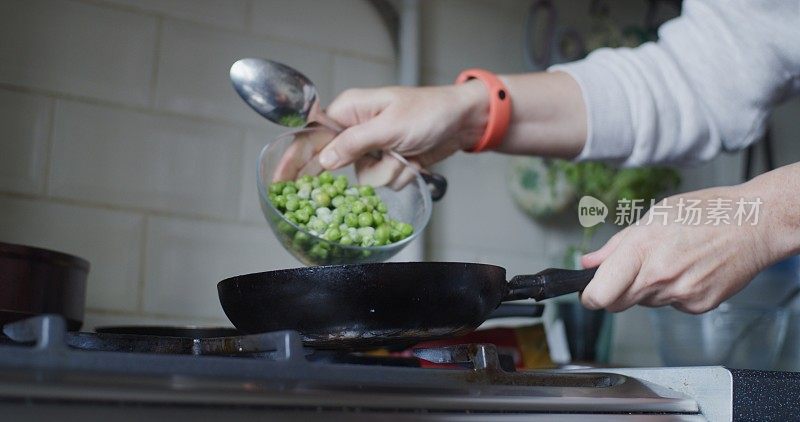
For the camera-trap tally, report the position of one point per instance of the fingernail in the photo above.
(328, 158)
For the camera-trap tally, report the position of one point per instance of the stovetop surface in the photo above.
(274, 372)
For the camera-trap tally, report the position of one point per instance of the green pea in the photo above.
(382, 234)
(365, 219)
(395, 235)
(304, 186)
(358, 207)
(291, 217)
(332, 234)
(366, 190)
(337, 201)
(382, 207)
(285, 227)
(340, 183)
(280, 202)
(319, 252)
(292, 205)
(289, 189)
(306, 178)
(326, 177)
(317, 225)
(351, 220)
(301, 238)
(322, 199)
(330, 190)
(346, 240)
(302, 215)
(406, 229)
(377, 218)
(336, 220)
(276, 188)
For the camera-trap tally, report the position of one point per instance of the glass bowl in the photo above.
(295, 154)
(743, 337)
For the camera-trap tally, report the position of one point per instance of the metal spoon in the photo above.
(287, 97)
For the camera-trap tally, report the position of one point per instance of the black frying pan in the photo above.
(361, 306)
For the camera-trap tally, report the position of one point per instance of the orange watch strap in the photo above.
(499, 108)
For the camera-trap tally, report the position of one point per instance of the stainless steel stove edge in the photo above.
(710, 386)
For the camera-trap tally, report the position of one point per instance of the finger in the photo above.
(407, 176)
(613, 277)
(633, 295)
(356, 141)
(374, 172)
(292, 161)
(594, 259)
(301, 155)
(355, 106)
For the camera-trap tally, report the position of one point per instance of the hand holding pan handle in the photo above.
(549, 283)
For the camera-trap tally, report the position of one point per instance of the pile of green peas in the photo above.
(333, 209)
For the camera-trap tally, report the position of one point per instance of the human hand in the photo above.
(425, 125)
(691, 267)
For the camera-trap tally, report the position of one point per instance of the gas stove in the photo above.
(46, 371)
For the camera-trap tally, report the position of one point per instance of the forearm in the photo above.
(548, 115)
(780, 212)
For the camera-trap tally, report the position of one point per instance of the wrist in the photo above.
(473, 112)
(780, 210)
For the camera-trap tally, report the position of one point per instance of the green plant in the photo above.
(610, 185)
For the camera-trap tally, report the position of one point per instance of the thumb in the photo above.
(356, 141)
(594, 259)
(355, 106)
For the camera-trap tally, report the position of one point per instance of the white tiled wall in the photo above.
(122, 140)
(110, 240)
(185, 260)
(194, 64)
(322, 24)
(25, 119)
(78, 49)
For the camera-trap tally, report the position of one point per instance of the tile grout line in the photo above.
(157, 315)
(131, 210)
(48, 159)
(245, 31)
(248, 16)
(156, 59)
(142, 264)
(242, 170)
(127, 107)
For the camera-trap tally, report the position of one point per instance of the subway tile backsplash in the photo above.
(77, 48)
(230, 14)
(185, 260)
(122, 140)
(141, 160)
(194, 66)
(341, 25)
(110, 240)
(25, 120)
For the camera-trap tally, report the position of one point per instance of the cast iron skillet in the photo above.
(368, 305)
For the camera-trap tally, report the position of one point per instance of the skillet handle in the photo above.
(549, 283)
